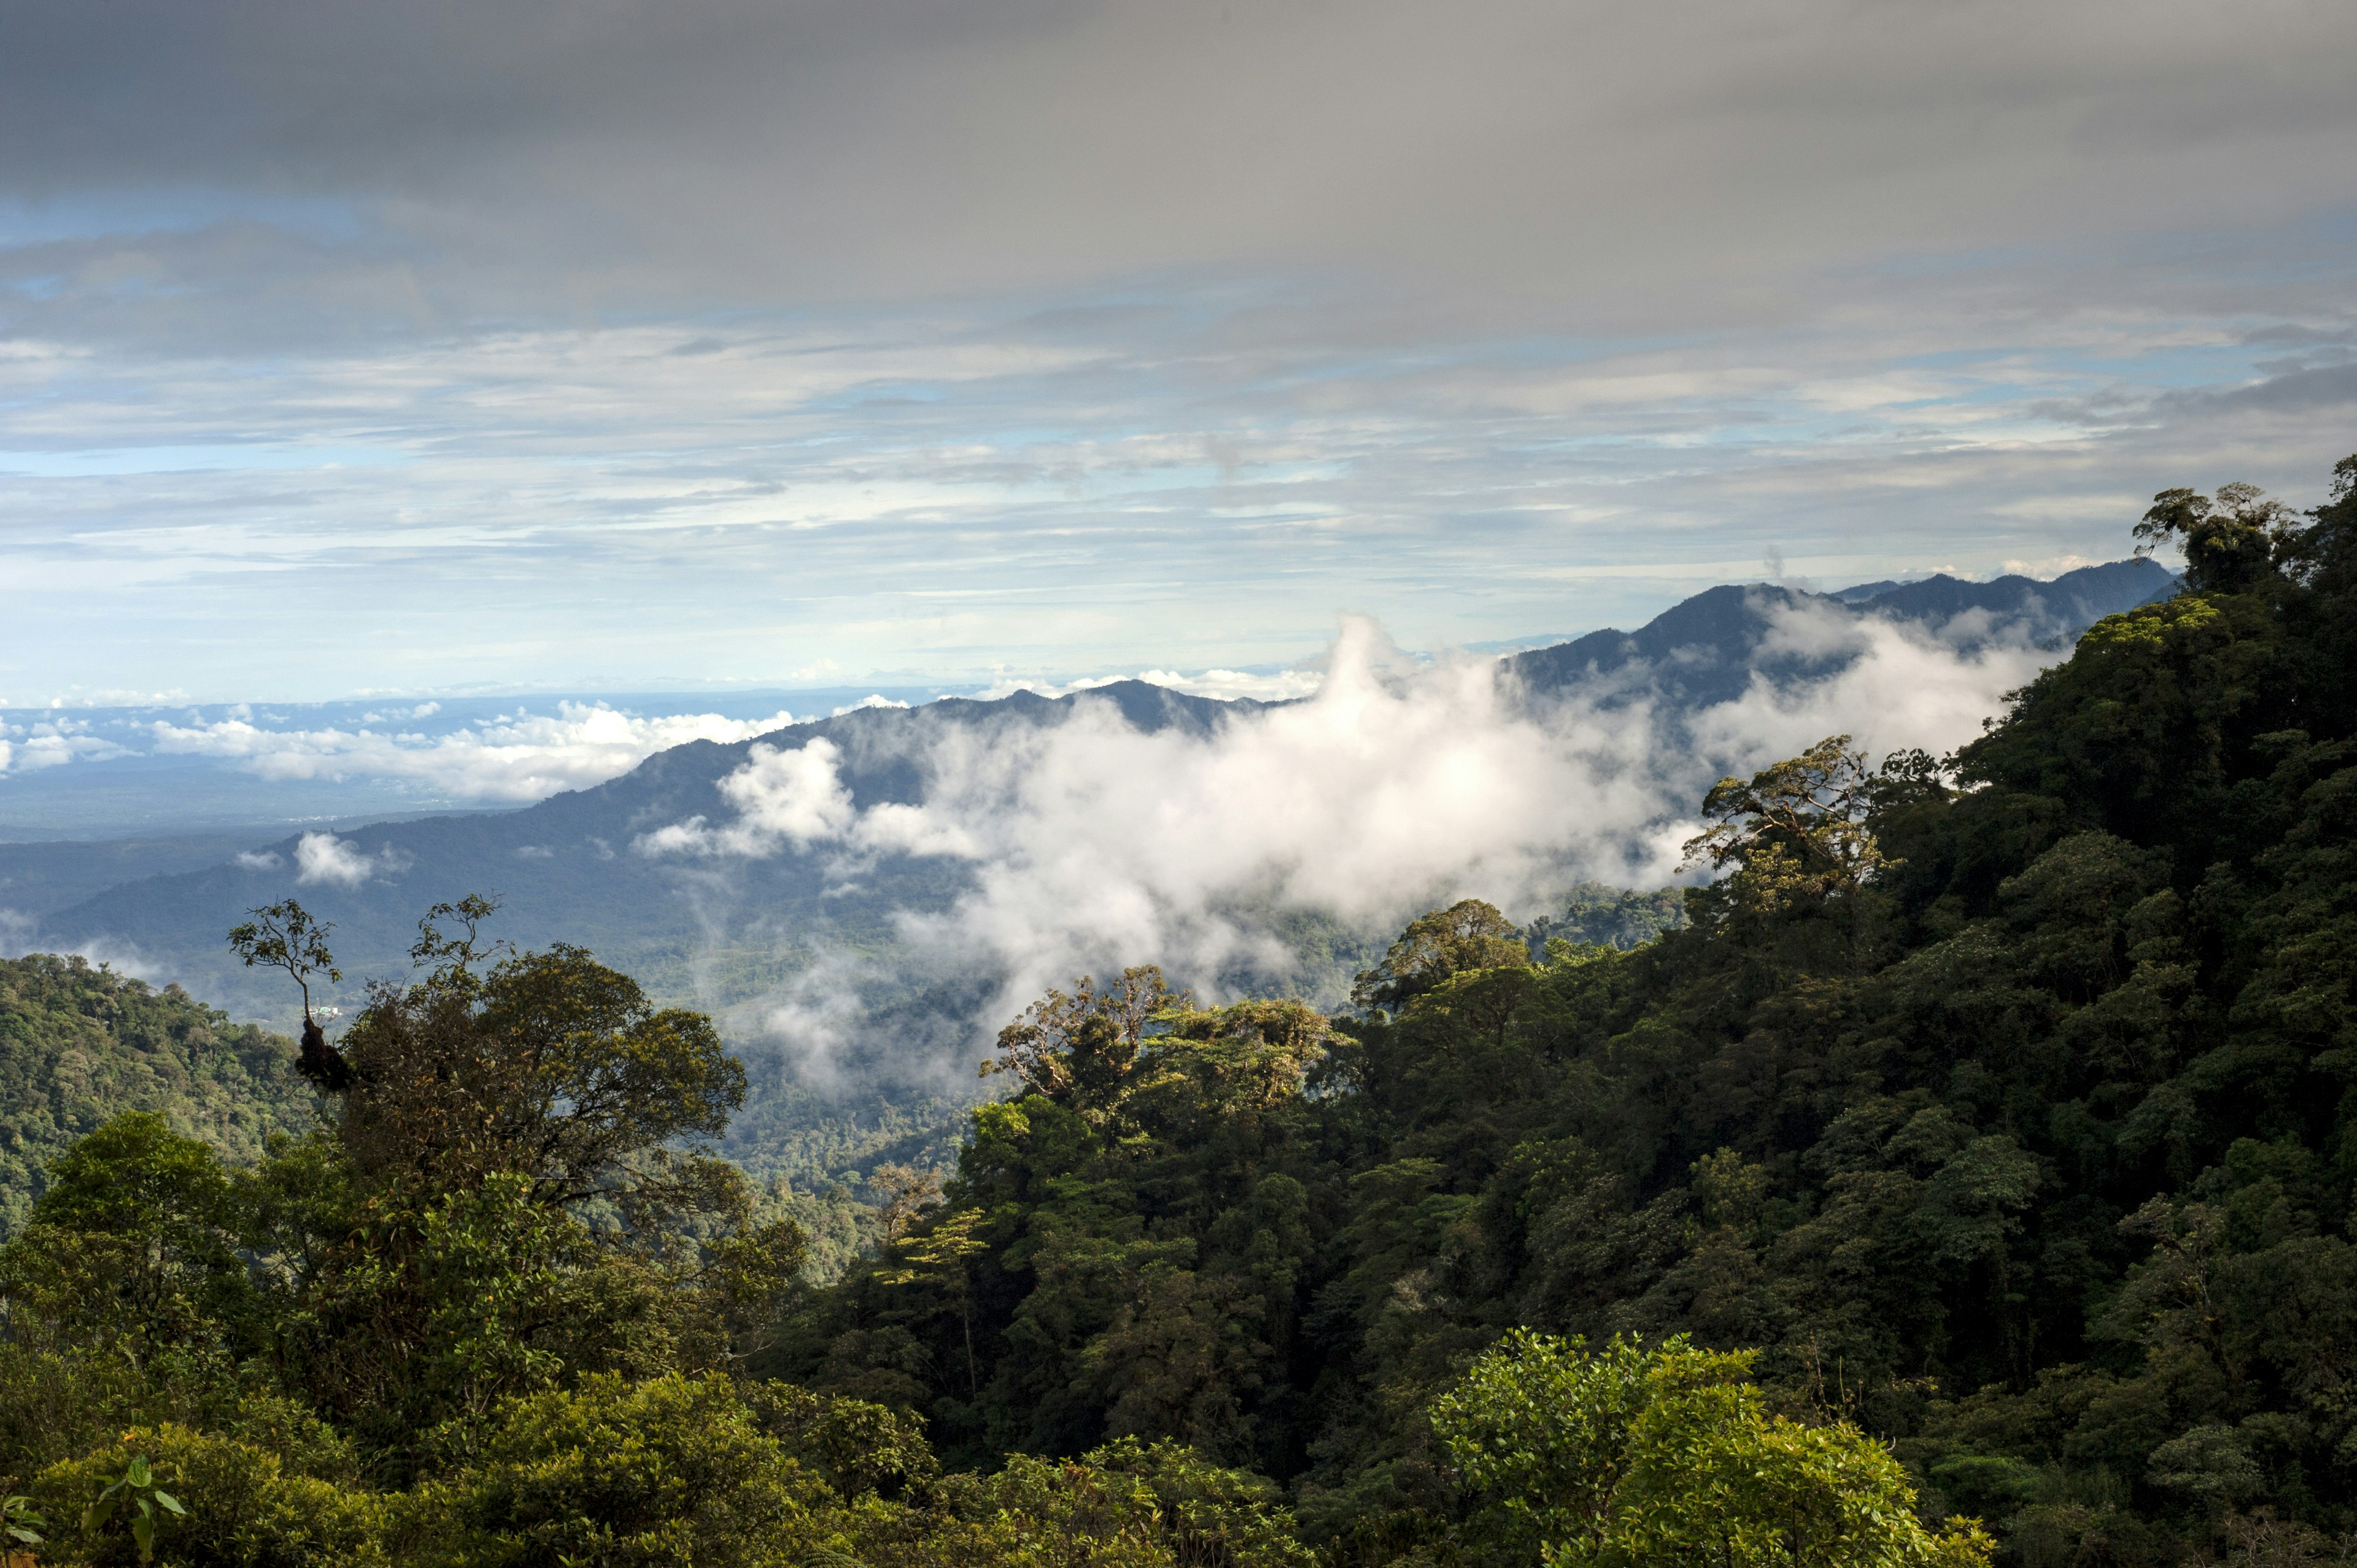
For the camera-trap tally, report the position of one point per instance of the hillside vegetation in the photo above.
(79, 1045)
(1969, 1173)
(2003, 1104)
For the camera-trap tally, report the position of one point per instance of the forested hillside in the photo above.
(2001, 1103)
(1979, 1145)
(79, 1045)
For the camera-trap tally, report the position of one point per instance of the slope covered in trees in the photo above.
(2004, 1103)
(1980, 1144)
(80, 1044)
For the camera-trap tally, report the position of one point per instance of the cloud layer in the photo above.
(1395, 788)
(716, 339)
(526, 758)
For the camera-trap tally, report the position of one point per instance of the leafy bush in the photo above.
(1633, 1458)
(674, 1471)
(242, 1510)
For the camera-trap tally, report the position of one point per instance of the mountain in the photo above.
(2005, 1113)
(80, 1044)
(2070, 602)
(1706, 649)
(736, 937)
(41, 878)
(565, 870)
(1976, 1147)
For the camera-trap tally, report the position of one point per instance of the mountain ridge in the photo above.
(567, 871)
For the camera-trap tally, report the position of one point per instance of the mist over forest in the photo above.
(1920, 1120)
(1093, 784)
(861, 898)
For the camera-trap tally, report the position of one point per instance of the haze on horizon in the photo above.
(716, 342)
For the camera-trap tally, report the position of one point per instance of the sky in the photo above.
(607, 345)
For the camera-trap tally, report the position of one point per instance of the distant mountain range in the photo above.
(1707, 649)
(567, 871)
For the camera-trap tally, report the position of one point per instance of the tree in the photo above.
(134, 1241)
(552, 1066)
(1796, 831)
(1633, 1456)
(285, 936)
(2230, 542)
(1076, 1048)
(1468, 935)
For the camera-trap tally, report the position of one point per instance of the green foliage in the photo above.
(1633, 1456)
(1793, 837)
(1468, 935)
(2001, 1103)
(551, 1066)
(857, 1448)
(20, 1521)
(1151, 1503)
(1598, 915)
(1126, 1242)
(2230, 543)
(142, 1502)
(232, 1502)
(500, 1206)
(1995, 1117)
(80, 1044)
(672, 1471)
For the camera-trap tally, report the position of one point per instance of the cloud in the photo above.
(689, 299)
(1903, 686)
(819, 1016)
(19, 935)
(259, 860)
(795, 799)
(52, 742)
(526, 756)
(2317, 387)
(781, 797)
(324, 857)
(797, 150)
(1394, 788)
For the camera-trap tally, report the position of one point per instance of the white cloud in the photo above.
(1131, 383)
(17, 935)
(781, 797)
(873, 700)
(818, 1015)
(1393, 789)
(1908, 686)
(324, 857)
(52, 742)
(1285, 685)
(259, 859)
(525, 756)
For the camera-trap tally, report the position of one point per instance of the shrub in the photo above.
(1632, 1456)
(243, 1512)
(672, 1471)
